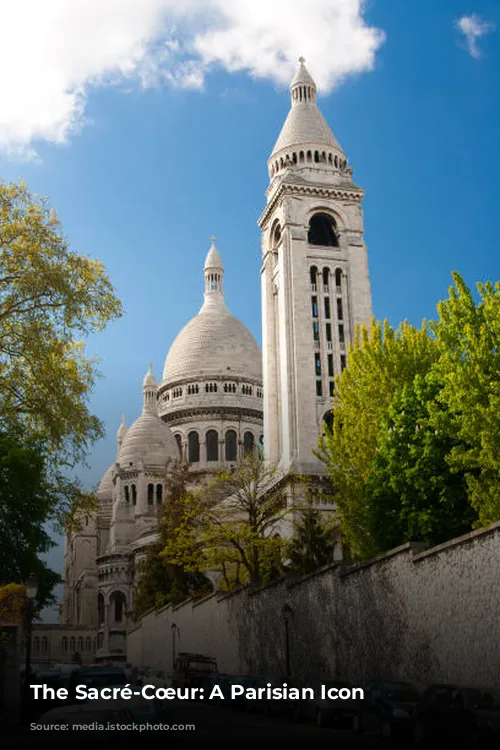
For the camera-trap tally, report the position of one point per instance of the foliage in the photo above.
(414, 452)
(312, 542)
(32, 494)
(380, 362)
(161, 581)
(12, 601)
(50, 297)
(469, 401)
(230, 527)
(412, 495)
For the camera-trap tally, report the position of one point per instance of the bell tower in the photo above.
(315, 279)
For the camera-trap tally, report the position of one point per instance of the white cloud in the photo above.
(473, 28)
(53, 52)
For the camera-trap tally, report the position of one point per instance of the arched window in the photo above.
(80, 644)
(212, 445)
(178, 440)
(193, 447)
(151, 494)
(159, 494)
(64, 644)
(100, 610)
(248, 443)
(326, 278)
(338, 277)
(72, 645)
(134, 494)
(127, 494)
(36, 644)
(322, 231)
(328, 419)
(314, 277)
(276, 236)
(231, 445)
(118, 606)
(88, 644)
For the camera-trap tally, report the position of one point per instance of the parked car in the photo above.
(94, 677)
(95, 714)
(458, 714)
(326, 711)
(388, 708)
(191, 669)
(239, 701)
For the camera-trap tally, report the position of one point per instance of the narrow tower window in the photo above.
(151, 494)
(322, 231)
(340, 313)
(314, 302)
(159, 494)
(327, 308)
(134, 494)
(330, 365)
(317, 364)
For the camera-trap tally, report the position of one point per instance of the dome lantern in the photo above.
(149, 390)
(213, 271)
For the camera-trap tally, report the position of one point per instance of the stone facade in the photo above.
(412, 614)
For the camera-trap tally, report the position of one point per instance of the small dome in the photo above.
(149, 440)
(105, 489)
(213, 259)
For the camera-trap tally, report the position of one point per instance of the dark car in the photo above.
(323, 707)
(94, 677)
(460, 714)
(239, 701)
(388, 708)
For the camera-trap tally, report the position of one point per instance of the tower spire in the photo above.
(213, 271)
(149, 391)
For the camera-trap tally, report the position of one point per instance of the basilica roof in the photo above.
(148, 439)
(305, 124)
(214, 343)
(105, 489)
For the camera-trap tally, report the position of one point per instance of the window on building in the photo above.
(36, 644)
(314, 277)
(79, 645)
(231, 445)
(134, 495)
(100, 610)
(159, 494)
(127, 493)
(327, 308)
(72, 645)
(328, 331)
(178, 440)
(341, 334)
(328, 419)
(317, 364)
(330, 365)
(118, 606)
(151, 494)
(316, 330)
(88, 644)
(319, 388)
(331, 387)
(314, 301)
(193, 447)
(338, 277)
(326, 278)
(322, 231)
(248, 442)
(340, 312)
(342, 361)
(64, 644)
(212, 445)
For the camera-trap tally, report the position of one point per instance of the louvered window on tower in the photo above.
(327, 308)
(316, 330)
(317, 364)
(314, 302)
(330, 365)
(340, 312)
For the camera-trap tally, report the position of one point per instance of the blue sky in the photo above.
(150, 132)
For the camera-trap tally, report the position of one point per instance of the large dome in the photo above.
(149, 440)
(105, 489)
(213, 343)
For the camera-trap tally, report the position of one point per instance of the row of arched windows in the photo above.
(40, 645)
(78, 644)
(308, 157)
(228, 451)
(118, 607)
(193, 389)
(130, 493)
(325, 276)
(324, 361)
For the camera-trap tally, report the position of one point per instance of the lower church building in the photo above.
(221, 397)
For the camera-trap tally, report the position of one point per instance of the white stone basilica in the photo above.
(220, 396)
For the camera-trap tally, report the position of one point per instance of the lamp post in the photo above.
(287, 614)
(173, 629)
(31, 592)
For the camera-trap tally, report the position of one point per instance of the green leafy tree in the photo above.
(312, 543)
(411, 493)
(381, 361)
(468, 407)
(231, 527)
(51, 298)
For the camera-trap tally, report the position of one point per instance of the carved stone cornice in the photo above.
(222, 412)
(339, 192)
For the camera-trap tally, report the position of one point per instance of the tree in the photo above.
(381, 361)
(468, 334)
(231, 527)
(50, 298)
(312, 543)
(411, 493)
(161, 581)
